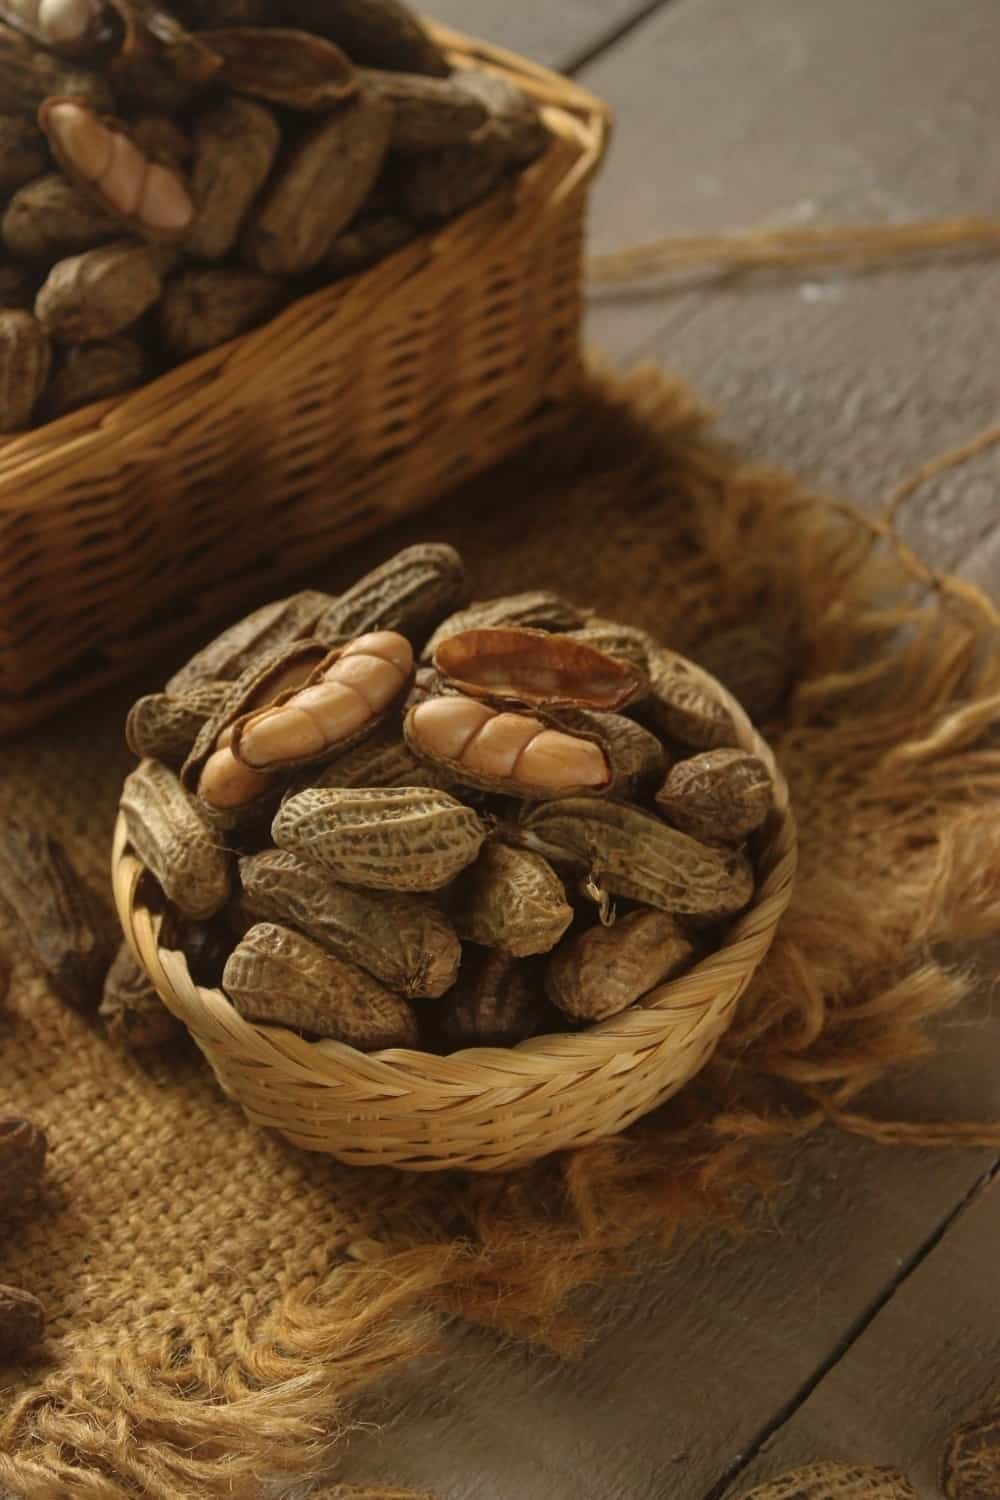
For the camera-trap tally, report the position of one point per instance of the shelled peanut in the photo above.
(176, 174)
(500, 842)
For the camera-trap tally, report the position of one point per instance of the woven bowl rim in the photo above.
(708, 986)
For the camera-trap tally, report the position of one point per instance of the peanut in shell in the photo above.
(603, 971)
(172, 839)
(278, 977)
(410, 593)
(511, 900)
(720, 796)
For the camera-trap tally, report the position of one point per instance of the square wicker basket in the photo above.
(140, 521)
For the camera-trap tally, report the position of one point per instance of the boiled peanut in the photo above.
(633, 854)
(636, 757)
(443, 183)
(506, 752)
(160, 140)
(55, 23)
(512, 900)
(752, 663)
(276, 976)
(497, 1002)
(201, 309)
(95, 295)
(536, 668)
(379, 33)
(426, 112)
(51, 217)
(382, 838)
(384, 759)
(93, 372)
(366, 241)
(164, 726)
(409, 593)
(134, 1016)
(403, 940)
(280, 623)
(720, 796)
(25, 358)
(235, 147)
(168, 833)
(320, 188)
(349, 696)
(535, 610)
(514, 116)
(23, 153)
(147, 196)
(29, 75)
(606, 969)
(296, 69)
(683, 708)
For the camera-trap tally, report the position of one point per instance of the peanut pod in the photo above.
(441, 184)
(721, 796)
(367, 241)
(50, 217)
(683, 708)
(535, 610)
(378, 33)
(518, 754)
(134, 1016)
(624, 641)
(201, 309)
(514, 116)
(383, 759)
(320, 188)
(66, 25)
(25, 358)
(636, 757)
(23, 1148)
(497, 1002)
(402, 940)
(409, 593)
(426, 112)
(149, 198)
(223, 784)
(296, 69)
(604, 970)
(29, 76)
(23, 152)
(172, 839)
(22, 1323)
(160, 140)
(235, 147)
(381, 838)
(278, 977)
(631, 853)
(280, 623)
(511, 900)
(95, 295)
(509, 664)
(64, 927)
(93, 372)
(164, 726)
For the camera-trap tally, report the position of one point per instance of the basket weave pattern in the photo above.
(483, 1109)
(120, 524)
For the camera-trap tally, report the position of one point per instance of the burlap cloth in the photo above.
(217, 1299)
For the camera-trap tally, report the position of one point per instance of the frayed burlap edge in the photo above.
(897, 693)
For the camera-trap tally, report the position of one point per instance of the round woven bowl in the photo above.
(486, 1108)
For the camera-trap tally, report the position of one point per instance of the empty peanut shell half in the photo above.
(504, 752)
(150, 198)
(293, 68)
(535, 668)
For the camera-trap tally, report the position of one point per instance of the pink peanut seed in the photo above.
(359, 686)
(444, 726)
(81, 136)
(496, 749)
(225, 783)
(508, 746)
(122, 179)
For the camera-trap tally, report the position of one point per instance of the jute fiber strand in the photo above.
(218, 1299)
(489, 1108)
(358, 403)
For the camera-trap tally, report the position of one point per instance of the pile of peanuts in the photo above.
(173, 174)
(390, 821)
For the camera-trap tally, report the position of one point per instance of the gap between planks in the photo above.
(724, 1487)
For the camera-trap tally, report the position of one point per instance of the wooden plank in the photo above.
(929, 1360)
(555, 34)
(788, 112)
(693, 1362)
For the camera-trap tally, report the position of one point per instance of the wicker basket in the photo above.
(142, 520)
(486, 1108)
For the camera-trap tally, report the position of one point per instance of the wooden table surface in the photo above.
(865, 1319)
